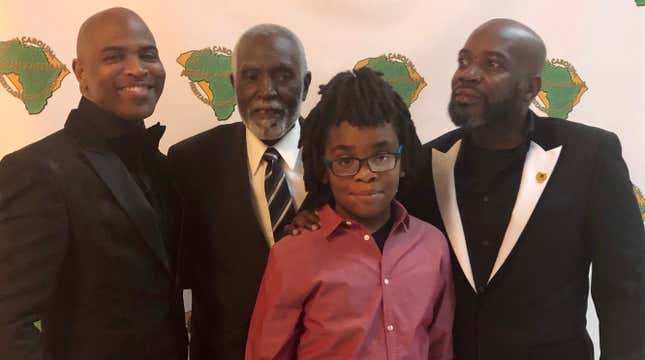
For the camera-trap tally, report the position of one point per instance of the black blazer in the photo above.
(79, 252)
(584, 212)
(225, 248)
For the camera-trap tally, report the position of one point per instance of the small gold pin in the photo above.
(540, 177)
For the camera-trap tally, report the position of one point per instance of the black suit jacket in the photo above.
(79, 252)
(225, 248)
(584, 212)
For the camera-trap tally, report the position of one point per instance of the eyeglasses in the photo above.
(349, 166)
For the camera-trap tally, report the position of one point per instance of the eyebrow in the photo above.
(124, 48)
(486, 53)
(342, 148)
(112, 49)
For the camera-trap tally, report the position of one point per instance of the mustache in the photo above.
(466, 90)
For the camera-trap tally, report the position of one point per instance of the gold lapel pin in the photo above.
(540, 177)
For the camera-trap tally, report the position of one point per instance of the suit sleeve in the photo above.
(33, 242)
(277, 317)
(615, 228)
(441, 345)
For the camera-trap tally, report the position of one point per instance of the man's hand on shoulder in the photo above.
(304, 220)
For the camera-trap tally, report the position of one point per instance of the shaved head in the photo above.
(499, 74)
(103, 20)
(118, 65)
(525, 44)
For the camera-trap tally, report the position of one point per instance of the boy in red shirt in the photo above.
(373, 282)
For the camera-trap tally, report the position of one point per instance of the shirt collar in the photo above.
(287, 147)
(330, 221)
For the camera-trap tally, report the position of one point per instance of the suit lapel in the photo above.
(538, 167)
(443, 174)
(130, 197)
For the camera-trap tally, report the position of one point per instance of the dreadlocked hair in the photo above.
(363, 99)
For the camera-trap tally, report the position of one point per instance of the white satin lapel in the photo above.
(537, 171)
(443, 174)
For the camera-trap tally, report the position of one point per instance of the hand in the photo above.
(304, 219)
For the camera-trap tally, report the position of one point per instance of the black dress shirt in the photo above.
(137, 147)
(487, 182)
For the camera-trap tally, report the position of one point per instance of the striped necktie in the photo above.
(276, 189)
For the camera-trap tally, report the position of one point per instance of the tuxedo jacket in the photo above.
(81, 257)
(575, 207)
(225, 249)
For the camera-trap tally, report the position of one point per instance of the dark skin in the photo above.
(500, 64)
(270, 80)
(118, 65)
(499, 69)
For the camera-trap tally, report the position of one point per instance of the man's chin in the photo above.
(269, 129)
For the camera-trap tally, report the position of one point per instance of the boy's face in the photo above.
(366, 196)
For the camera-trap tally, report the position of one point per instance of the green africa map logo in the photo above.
(30, 72)
(399, 72)
(641, 201)
(208, 71)
(562, 89)
(640, 2)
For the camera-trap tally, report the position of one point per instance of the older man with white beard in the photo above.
(241, 183)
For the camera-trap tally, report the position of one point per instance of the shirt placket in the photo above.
(389, 319)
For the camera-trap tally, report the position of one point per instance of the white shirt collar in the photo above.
(287, 147)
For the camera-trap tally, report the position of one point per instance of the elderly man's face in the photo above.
(270, 83)
(119, 67)
(487, 86)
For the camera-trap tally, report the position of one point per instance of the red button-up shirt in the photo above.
(331, 294)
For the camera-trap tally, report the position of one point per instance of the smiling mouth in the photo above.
(136, 89)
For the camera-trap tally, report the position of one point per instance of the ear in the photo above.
(78, 69)
(79, 72)
(533, 88)
(306, 82)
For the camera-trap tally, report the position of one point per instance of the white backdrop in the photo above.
(602, 39)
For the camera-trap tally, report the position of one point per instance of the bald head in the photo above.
(498, 76)
(270, 31)
(524, 44)
(104, 21)
(118, 65)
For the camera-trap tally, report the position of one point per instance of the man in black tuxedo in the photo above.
(87, 265)
(234, 208)
(528, 203)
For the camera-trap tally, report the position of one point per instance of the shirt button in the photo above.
(348, 223)
(386, 281)
(485, 199)
(366, 237)
(486, 243)
(390, 328)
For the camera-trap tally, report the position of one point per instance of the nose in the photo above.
(364, 173)
(471, 73)
(267, 87)
(135, 67)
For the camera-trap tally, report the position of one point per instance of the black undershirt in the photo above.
(487, 182)
(382, 233)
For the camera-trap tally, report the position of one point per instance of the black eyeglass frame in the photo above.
(361, 162)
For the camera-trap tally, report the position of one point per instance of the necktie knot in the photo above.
(271, 155)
